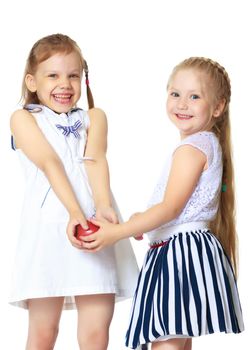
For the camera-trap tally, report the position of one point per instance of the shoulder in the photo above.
(97, 117)
(201, 141)
(21, 117)
(188, 155)
(96, 113)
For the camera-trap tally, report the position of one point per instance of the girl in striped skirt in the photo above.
(187, 284)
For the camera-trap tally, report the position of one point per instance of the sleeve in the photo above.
(201, 141)
(86, 120)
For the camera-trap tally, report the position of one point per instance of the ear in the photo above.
(219, 108)
(30, 82)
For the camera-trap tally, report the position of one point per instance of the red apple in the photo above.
(80, 231)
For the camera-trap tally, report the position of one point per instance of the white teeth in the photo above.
(183, 116)
(62, 96)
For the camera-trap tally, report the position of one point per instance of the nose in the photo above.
(65, 83)
(182, 103)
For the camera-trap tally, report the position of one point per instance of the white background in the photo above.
(131, 47)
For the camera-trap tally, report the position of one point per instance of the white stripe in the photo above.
(235, 295)
(156, 315)
(222, 286)
(201, 290)
(180, 275)
(192, 308)
(210, 287)
(171, 290)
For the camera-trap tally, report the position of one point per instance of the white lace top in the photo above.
(203, 203)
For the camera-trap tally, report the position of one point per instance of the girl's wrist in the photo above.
(75, 211)
(123, 231)
(103, 202)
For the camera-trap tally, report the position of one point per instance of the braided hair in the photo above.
(224, 223)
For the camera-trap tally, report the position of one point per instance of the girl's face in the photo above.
(190, 105)
(57, 82)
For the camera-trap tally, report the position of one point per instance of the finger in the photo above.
(90, 245)
(76, 243)
(100, 218)
(96, 222)
(77, 246)
(89, 238)
(84, 224)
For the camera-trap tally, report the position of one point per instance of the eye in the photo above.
(52, 75)
(174, 94)
(74, 76)
(194, 97)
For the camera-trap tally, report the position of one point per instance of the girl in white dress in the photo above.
(187, 285)
(63, 152)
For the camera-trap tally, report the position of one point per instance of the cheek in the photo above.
(77, 88)
(169, 107)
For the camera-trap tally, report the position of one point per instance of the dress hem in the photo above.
(69, 302)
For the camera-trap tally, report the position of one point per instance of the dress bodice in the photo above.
(70, 148)
(203, 203)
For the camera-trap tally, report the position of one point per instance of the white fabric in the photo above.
(47, 265)
(165, 233)
(203, 203)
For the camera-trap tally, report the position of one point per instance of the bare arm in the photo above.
(30, 139)
(97, 170)
(187, 166)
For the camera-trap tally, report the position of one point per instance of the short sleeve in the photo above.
(86, 120)
(203, 142)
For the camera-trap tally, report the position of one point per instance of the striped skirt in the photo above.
(186, 288)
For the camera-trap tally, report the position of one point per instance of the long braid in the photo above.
(224, 223)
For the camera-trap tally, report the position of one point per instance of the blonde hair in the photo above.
(44, 49)
(224, 223)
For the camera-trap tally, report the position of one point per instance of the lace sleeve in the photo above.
(201, 141)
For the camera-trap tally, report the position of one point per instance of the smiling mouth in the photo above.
(184, 116)
(62, 98)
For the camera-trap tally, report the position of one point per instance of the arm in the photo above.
(187, 166)
(30, 139)
(97, 170)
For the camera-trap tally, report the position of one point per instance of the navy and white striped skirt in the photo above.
(186, 288)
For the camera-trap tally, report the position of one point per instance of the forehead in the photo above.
(61, 61)
(188, 79)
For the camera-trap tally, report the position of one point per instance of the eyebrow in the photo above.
(76, 70)
(189, 91)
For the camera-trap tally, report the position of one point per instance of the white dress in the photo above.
(46, 263)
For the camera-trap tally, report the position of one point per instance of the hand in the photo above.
(107, 235)
(106, 214)
(75, 219)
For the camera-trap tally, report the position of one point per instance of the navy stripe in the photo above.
(220, 311)
(165, 301)
(194, 284)
(154, 331)
(134, 302)
(178, 325)
(142, 297)
(233, 317)
(208, 316)
(163, 255)
(13, 146)
(185, 287)
(149, 297)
